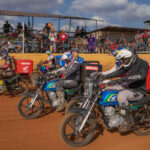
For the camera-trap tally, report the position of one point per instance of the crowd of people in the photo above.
(42, 40)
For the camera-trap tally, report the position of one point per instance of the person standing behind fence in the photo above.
(47, 28)
(145, 39)
(7, 28)
(122, 41)
(91, 44)
(63, 37)
(84, 44)
(19, 28)
(83, 32)
(52, 38)
(137, 40)
(77, 32)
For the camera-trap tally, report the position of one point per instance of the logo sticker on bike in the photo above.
(111, 98)
(51, 85)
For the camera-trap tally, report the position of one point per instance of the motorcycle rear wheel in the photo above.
(21, 89)
(145, 128)
(73, 139)
(25, 111)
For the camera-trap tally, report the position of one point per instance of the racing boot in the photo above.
(128, 119)
(62, 105)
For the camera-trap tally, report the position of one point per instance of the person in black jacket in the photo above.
(133, 86)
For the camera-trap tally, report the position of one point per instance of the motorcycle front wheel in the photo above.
(24, 107)
(69, 133)
(73, 104)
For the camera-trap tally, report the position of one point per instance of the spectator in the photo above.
(122, 41)
(7, 28)
(63, 38)
(145, 40)
(19, 28)
(102, 46)
(45, 41)
(91, 44)
(137, 40)
(77, 32)
(47, 28)
(114, 46)
(84, 44)
(52, 38)
(26, 32)
(83, 32)
(78, 42)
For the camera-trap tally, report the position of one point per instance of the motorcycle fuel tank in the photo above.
(109, 97)
(50, 86)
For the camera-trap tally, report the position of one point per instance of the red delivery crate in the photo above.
(148, 80)
(24, 66)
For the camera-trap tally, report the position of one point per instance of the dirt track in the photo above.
(17, 133)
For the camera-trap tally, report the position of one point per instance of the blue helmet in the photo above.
(116, 51)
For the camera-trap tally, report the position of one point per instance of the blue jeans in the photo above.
(144, 45)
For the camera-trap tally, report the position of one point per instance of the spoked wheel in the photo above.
(21, 88)
(24, 107)
(69, 130)
(73, 104)
(144, 129)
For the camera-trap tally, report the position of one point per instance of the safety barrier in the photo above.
(105, 59)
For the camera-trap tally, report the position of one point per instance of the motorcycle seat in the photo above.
(9, 80)
(143, 101)
(74, 90)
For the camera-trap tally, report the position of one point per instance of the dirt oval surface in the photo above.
(16, 133)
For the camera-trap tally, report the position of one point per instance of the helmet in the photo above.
(75, 55)
(116, 51)
(64, 57)
(126, 57)
(49, 52)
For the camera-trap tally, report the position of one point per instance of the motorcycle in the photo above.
(31, 105)
(78, 127)
(15, 85)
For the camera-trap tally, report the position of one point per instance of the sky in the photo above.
(124, 13)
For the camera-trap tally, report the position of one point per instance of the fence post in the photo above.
(23, 39)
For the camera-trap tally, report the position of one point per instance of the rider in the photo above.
(132, 87)
(71, 78)
(9, 67)
(117, 62)
(50, 60)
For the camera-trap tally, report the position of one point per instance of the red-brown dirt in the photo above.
(16, 133)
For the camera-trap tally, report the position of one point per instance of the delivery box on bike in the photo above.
(148, 80)
(24, 66)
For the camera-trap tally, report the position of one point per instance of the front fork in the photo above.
(35, 97)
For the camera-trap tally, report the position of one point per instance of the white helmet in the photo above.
(64, 57)
(126, 57)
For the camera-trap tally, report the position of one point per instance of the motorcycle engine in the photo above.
(113, 118)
